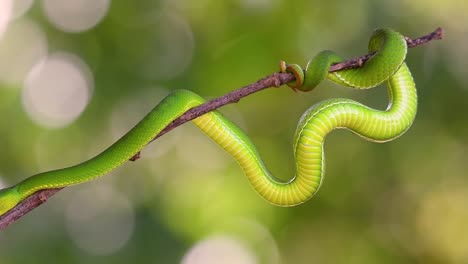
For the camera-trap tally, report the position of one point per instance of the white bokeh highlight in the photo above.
(57, 90)
(6, 9)
(23, 45)
(219, 249)
(259, 238)
(75, 15)
(100, 220)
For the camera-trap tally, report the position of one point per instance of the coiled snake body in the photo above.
(319, 120)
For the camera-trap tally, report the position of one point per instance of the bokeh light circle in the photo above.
(57, 90)
(6, 7)
(75, 15)
(22, 45)
(100, 220)
(219, 249)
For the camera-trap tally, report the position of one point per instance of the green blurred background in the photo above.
(75, 75)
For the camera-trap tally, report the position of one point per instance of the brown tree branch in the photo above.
(273, 80)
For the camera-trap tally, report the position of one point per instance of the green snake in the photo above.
(316, 123)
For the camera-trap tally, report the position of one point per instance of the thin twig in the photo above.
(359, 61)
(273, 80)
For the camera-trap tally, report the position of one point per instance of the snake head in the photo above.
(9, 198)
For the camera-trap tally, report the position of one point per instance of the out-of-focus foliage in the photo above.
(76, 74)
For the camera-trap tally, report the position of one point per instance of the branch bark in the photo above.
(273, 80)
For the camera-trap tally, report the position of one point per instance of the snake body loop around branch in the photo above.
(316, 123)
